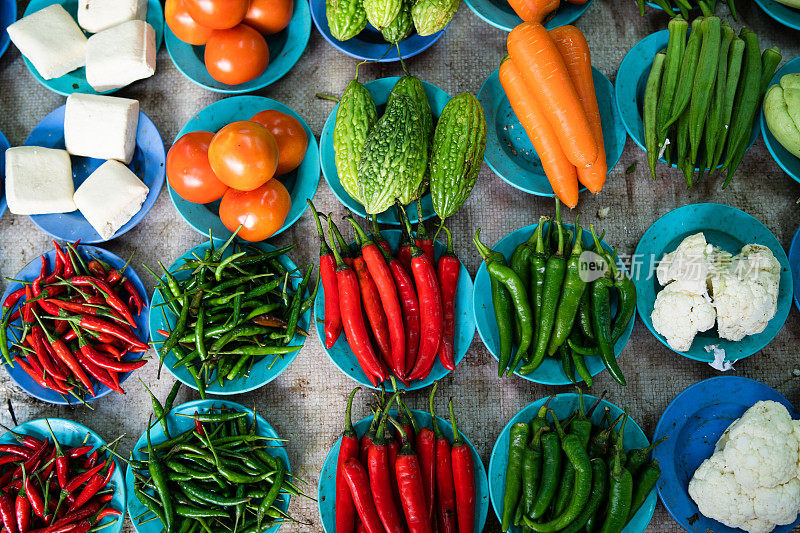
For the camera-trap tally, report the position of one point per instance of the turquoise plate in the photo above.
(75, 81)
(285, 49)
(550, 372)
(631, 81)
(794, 263)
(3, 147)
(177, 425)
(379, 89)
(723, 226)
(72, 435)
(780, 12)
(326, 489)
(564, 405)
(344, 358)
(509, 151)
(787, 161)
(8, 15)
(264, 371)
(499, 14)
(301, 183)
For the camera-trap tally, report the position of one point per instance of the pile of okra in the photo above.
(685, 7)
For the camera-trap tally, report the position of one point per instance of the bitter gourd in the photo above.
(431, 16)
(346, 18)
(354, 119)
(381, 13)
(402, 26)
(412, 87)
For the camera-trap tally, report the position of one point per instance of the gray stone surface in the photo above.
(306, 403)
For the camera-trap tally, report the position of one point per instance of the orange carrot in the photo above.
(533, 10)
(542, 68)
(574, 49)
(560, 172)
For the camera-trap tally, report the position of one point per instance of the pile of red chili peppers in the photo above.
(71, 327)
(49, 488)
(408, 298)
(411, 479)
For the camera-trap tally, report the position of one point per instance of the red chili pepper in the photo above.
(12, 299)
(410, 305)
(100, 374)
(422, 239)
(392, 449)
(69, 268)
(105, 498)
(112, 299)
(83, 477)
(72, 307)
(58, 271)
(95, 484)
(463, 477)
(348, 449)
(101, 326)
(68, 359)
(22, 510)
(380, 479)
(114, 277)
(27, 309)
(79, 514)
(16, 449)
(373, 309)
(135, 298)
(37, 282)
(358, 480)
(377, 237)
(104, 362)
(411, 488)
(44, 356)
(404, 252)
(430, 305)
(368, 437)
(7, 513)
(448, 271)
(109, 473)
(198, 427)
(327, 273)
(74, 453)
(445, 489)
(96, 269)
(34, 497)
(108, 512)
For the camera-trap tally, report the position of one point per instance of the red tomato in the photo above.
(269, 16)
(218, 14)
(237, 55)
(290, 136)
(189, 171)
(183, 25)
(244, 155)
(261, 212)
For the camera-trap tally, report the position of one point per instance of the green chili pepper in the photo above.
(159, 477)
(551, 468)
(620, 495)
(650, 115)
(297, 301)
(571, 294)
(504, 317)
(273, 493)
(599, 443)
(210, 497)
(175, 334)
(601, 320)
(638, 458)
(597, 497)
(532, 463)
(645, 483)
(538, 267)
(518, 441)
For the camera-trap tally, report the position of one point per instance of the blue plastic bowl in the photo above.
(787, 161)
(75, 81)
(780, 12)
(8, 15)
(723, 226)
(264, 371)
(148, 164)
(509, 151)
(301, 183)
(344, 358)
(499, 13)
(563, 405)
(379, 89)
(179, 424)
(326, 489)
(632, 80)
(550, 372)
(285, 49)
(71, 434)
(794, 263)
(693, 423)
(28, 273)
(3, 147)
(369, 44)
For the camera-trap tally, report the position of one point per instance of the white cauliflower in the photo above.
(689, 265)
(679, 315)
(751, 481)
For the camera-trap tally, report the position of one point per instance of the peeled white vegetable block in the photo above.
(51, 40)
(119, 56)
(102, 127)
(95, 16)
(39, 181)
(110, 197)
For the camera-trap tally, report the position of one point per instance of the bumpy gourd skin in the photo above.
(431, 16)
(457, 153)
(401, 27)
(354, 119)
(391, 156)
(381, 13)
(346, 18)
(412, 87)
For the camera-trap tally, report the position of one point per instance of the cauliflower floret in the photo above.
(719, 497)
(679, 315)
(779, 504)
(688, 264)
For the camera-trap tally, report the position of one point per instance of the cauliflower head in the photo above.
(689, 265)
(679, 315)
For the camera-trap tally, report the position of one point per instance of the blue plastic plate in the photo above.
(326, 489)
(780, 12)
(8, 15)
(177, 425)
(723, 226)
(499, 14)
(379, 89)
(301, 183)
(75, 81)
(693, 423)
(509, 151)
(563, 405)
(71, 434)
(344, 358)
(787, 161)
(263, 371)
(285, 49)
(147, 164)
(794, 263)
(3, 147)
(632, 80)
(370, 44)
(550, 372)
(28, 273)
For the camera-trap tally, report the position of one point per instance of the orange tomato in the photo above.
(244, 155)
(189, 171)
(218, 14)
(261, 212)
(290, 136)
(237, 55)
(269, 16)
(183, 25)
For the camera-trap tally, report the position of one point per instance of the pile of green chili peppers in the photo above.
(570, 475)
(231, 311)
(545, 306)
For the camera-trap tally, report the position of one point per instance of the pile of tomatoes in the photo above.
(232, 31)
(240, 164)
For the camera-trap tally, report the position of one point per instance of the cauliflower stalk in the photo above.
(752, 482)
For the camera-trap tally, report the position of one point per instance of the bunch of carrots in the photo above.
(547, 77)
